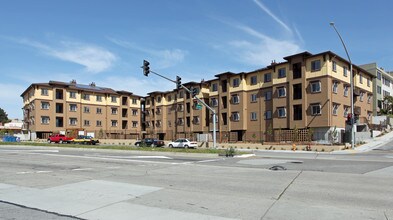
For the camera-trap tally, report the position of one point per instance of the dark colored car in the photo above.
(150, 142)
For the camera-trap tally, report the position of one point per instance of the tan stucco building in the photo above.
(71, 108)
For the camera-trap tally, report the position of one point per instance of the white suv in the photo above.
(182, 142)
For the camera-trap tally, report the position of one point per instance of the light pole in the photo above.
(351, 82)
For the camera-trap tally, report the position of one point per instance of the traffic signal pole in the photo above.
(146, 71)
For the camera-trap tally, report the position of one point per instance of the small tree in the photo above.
(3, 116)
(388, 100)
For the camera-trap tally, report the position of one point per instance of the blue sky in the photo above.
(106, 41)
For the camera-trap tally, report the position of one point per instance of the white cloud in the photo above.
(264, 49)
(95, 59)
(265, 9)
(165, 58)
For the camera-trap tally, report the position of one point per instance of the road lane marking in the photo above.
(134, 157)
(82, 169)
(28, 150)
(206, 161)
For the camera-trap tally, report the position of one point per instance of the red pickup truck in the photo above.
(59, 138)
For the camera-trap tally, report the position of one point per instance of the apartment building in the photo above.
(383, 86)
(306, 91)
(72, 108)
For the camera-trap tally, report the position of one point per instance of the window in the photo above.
(180, 121)
(334, 66)
(134, 112)
(45, 120)
(379, 75)
(99, 98)
(297, 112)
(281, 91)
(297, 91)
(72, 95)
(73, 121)
(134, 101)
(114, 123)
(253, 116)
(335, 85)
(315, 86)
(181, 94)
(360, 78)
(44, 105)
(134, 124)
(44, 91)
(196, 120)
(361, 96)
(158, 111)
(180, 107)
(73, 107)
(86, 109)
(159, 99)
(113, 99)
(253, 80)
(214, 87)
(86, 97)
(214, 102)
(282, 73)
(253, 97)
(268, 115)
(235, 99)
(235, 116)
(345, 71)
(99, 111)
(282, 112)
(267, 77)
(86, 123)
(236, 82)
(99, 123)
(346, 90)
(148, 124)
(368, 82)
(268, 95)
(316, 109)
(346, 110)
(114, 111)
(369, 97)
(335, 108)
(158, 123)
(315, 65)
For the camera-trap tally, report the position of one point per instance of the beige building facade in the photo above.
(71, 108)
(306, 92)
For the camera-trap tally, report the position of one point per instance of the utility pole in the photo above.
(179, 85)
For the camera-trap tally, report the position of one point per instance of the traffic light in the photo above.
(349, 119)
(194, 91)
(178, 82)
(146, 68)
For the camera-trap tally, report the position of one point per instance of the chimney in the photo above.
(73, 81)
(93, 84)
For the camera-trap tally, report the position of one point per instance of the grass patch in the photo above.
(121, 147)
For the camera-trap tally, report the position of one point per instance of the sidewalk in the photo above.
(374, 143)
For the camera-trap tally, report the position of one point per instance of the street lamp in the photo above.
(351, 82)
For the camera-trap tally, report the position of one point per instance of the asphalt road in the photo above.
(60, 183)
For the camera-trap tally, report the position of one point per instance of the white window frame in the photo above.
(134, 124)
(281, 91)
(345, 71)
(114, 123)
(214, 102)
(282, 73)
(316, 109)
(254, 97)
(73, 107)
(45, 105)
(335, 87)
(196, 120)
(45, 120)
(334, 66)
(99, 98)
(361, 96)
(267, 77)
(86, 97)
(316, 87)
(86, 109)
(98, 123)
(315, 67)
(214, 87)
(346, 90)
(282, 112)
(346, 110)
(253, 80)
(114, 111)
(254, 116)
(235, 116)
(99, 110)
(335, 108)
(369, 97)
(86, 122)
(72, 95)
(73, 121)
(236, 82)
(114, 99)
(235, 99)
(44, 91)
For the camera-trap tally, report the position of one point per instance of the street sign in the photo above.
(198, 106)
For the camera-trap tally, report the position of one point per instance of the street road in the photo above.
(61, 183)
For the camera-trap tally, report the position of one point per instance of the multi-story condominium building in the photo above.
(383, 86)
(307, 92)
(72, 109)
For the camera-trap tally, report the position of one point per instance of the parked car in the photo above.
(150, 142)
(59, 138)
(183, 142)
(83, 139)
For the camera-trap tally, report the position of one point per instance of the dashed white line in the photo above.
(82, 169)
